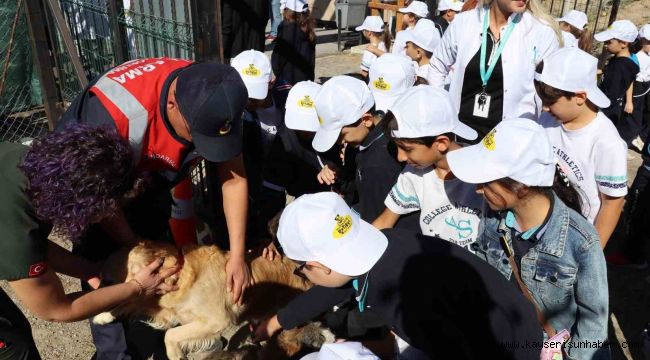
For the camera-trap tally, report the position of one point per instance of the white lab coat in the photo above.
(530, 42)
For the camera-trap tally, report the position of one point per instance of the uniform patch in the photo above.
(225, 129)
(343, 226)
(37, 269)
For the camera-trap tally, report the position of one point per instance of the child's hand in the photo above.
(326, 176)
(629, 108)
(271, 252)
(266, 329)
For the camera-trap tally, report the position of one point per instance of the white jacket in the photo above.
(530, 42)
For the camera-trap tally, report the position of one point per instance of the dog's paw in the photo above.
(103, 318)
(328, 336)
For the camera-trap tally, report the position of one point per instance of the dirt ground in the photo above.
(629, 289)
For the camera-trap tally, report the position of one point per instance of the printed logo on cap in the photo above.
(320, 120)
(307, 103)
(252, 71)
(381, 84)
(37, 269)
(343, 226)
(225, 129)
(489, 142)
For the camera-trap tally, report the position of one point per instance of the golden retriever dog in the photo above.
(201, 309)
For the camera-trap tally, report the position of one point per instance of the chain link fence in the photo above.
(153, 29)
(22, 115)
(157, 28)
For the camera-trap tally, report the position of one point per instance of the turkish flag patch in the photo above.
(37, 269)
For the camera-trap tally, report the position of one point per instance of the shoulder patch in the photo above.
(37, 269)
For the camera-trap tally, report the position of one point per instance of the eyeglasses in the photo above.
(298, 271)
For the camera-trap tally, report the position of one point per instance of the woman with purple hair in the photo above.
(66, 180)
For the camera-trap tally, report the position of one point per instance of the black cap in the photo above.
(212, 98)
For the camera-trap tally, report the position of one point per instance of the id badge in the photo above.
(481, 105)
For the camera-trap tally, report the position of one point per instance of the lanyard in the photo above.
(485, 75)
(361, 299)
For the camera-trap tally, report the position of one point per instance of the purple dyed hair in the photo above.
(78, 176)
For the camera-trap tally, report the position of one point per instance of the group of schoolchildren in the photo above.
(536, 200)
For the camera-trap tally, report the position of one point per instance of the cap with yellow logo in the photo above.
(321, 227)
(624, 30)
(341, 102)
(301, 107)
(516, 148)
(389, 77)
(255, 69)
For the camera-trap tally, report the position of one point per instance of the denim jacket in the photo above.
(566, 274)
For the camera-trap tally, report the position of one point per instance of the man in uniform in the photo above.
(173, 112)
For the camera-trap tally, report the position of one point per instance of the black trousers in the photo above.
(638, 215)
(16, 341)
(148, 216)
(632, 125)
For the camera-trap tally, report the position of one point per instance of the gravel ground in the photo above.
(60, 340)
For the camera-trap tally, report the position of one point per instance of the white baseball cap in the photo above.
(516, 148)
(389, 77)
(575, 18)
(419, 8)
(572, 69)
(424, 35)
(342, 101)
(425, 110)
(371, 23)
(300, 109)
(349, 350)
(621, 29)
(322, 227)
(255, 69)
(296, 5)
(644, 32)
(455, 5)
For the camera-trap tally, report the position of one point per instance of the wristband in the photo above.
(139, 284)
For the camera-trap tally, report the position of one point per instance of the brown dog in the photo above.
(201, 309)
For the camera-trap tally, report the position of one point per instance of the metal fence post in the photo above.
(612, 17)
(68, 42)
(118, 31)
(35, 10)
(206, 27)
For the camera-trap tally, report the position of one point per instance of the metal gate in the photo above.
(142, 28)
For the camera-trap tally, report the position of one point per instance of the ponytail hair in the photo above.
(584, 36)
(304, 19)
(387, 37)
(469, 5)
(566, 191)
(562, 187)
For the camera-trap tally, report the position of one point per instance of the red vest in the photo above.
(131, 94)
